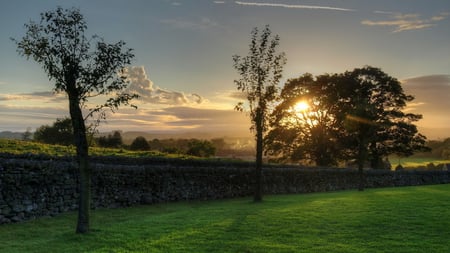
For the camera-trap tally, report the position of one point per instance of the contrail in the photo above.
(292, 6)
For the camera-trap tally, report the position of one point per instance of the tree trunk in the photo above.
(81, 144)
(361, 178)
(259, 157)
(361, 159)
(258, 170)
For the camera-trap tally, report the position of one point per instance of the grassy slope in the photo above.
(23, 147)
(409, 219)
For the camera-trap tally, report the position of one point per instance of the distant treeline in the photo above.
(60, 132)
(439, 150)
(189, 146)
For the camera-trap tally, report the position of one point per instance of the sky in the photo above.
(183, 66)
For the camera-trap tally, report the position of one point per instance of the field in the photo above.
(408, 219)
(413, 162)
(28, 147)
(24, 147)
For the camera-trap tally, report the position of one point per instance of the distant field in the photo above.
(24, 147)
(407, 219)
(412, 162)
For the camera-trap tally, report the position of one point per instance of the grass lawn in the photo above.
(407, 219)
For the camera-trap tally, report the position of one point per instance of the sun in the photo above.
(301, 106)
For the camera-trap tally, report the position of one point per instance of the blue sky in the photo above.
(184, 54)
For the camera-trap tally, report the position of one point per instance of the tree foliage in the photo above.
(113, 140)
(357, 115)
(309, 134)
(59, 44)
(61, 132)
(260, 72)
(140, 143)
(201, 148)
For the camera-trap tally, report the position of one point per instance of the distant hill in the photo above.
(11, 135)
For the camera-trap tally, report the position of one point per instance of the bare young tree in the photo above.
(58, 43)
(260, 71)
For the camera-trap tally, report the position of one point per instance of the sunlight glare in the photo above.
(301, 106)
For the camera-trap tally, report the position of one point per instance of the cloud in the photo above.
(42, 96)
(219, 2)
(432, 98)
(180, 119)
(238, 95)
(148, 92)
(293, 6)
(406, 22)
(206, 119)
(19, 117)
(202, 24)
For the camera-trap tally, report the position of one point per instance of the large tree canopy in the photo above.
(83, 72)
(355, 115)
(308, 132)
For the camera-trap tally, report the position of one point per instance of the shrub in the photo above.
(140, 143)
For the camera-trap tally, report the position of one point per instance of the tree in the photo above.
(59, 44)
(113, 140)
(303, 125)
(61, 132)
(354, 115)
(373, 104)
(140, 143)
(260, 72)
(201, 148)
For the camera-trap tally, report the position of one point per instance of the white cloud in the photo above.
(293, 6)
(406, 22)
(141, 84)
(42, 97)
(219, 2)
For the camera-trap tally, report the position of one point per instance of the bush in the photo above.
(140, 143)
(201, 148)
(59, 133)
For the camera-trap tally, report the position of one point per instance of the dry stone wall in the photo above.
(32, 186)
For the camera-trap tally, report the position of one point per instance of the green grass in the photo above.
(408, 219)
(29, 147)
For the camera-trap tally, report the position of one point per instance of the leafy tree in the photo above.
(373, 104)
(310, 133)
(201, 148)
(260, 72)
(156, 144)
(140, 143)
(59, 44)
(113, 140)
(61, 132)
(355, 115)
